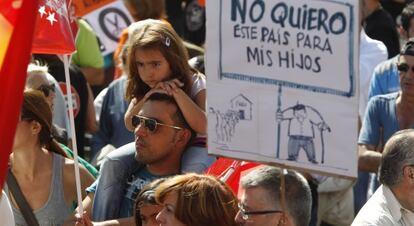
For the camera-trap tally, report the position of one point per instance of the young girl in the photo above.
(158, 62)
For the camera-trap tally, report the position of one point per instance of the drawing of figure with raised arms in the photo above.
(302, 119)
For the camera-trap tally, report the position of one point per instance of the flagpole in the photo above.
(279, 110)
(72, 129)
(282, 190)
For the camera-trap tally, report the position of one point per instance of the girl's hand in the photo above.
(134, 101)
(154, 90)
(170, 86)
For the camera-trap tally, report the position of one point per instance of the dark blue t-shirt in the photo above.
(134, 185)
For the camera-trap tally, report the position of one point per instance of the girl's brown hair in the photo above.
(157, 35)
(203, 200)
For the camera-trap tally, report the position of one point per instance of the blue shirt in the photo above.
(117, 169)
(112, 128)
(134, 185)
(381, 113)
(385, 79)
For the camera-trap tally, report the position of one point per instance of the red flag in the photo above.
(230, 171)
(16, 34)
(55, 28)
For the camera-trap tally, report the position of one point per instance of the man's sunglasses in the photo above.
(46, 89)
(149, 123)
(403, 67)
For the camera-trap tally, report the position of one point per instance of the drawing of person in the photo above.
(302, 119)
(219, 124)
(225, 124)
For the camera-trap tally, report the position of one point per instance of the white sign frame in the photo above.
(253, 104)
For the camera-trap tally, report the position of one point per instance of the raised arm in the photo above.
(134, 107)
(193, 111)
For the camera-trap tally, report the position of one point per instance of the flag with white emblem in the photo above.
(55, 28)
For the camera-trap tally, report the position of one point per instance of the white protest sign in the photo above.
(108, 19)
(282, 82)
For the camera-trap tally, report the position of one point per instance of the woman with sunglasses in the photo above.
(387, 114)
(196, 200)
(43, 172)
(38, 78)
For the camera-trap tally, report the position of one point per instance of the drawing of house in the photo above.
(243, 106)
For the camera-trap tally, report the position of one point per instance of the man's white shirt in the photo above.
(383, 209)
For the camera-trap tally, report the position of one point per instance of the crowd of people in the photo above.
(148, 134)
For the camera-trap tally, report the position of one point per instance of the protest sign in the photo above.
(108, 18)
(282, 82)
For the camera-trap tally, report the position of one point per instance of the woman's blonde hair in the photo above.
(202, 200)
(157, 35)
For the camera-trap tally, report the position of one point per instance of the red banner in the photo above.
(55, 28)
(230, 171)
(17, 19)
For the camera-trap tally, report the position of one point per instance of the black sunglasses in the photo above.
(246, 214)
(149, 123)
(25, 118)
(46, 89)
(403, 67)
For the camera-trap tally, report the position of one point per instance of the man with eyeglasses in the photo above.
(384, 80)
(387, 114)
(161, 136)
(260, 198)
(393, 202)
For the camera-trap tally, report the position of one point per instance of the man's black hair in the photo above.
(178, 116)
